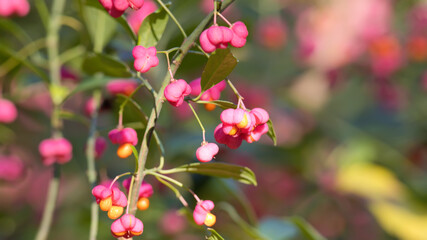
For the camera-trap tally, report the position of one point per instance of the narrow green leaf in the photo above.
(271, 133)
(101, 63)
(25, 62)
(235, 216)
(15, 29)
(223, 170)
(220, 103)
(100, 25)
(306, 229)
(220, 64)
(152, 28)
(74, 117)
(87, 85)
(214, 235)
(121, 20)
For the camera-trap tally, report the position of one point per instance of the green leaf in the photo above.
(87, 85)
(101, 63)
(121, 20)
(6, 134)
(223, 170)
(220, 103)
(220, 64)
(74, 117)
(271, 133)
(214, 235)
(25, 62)
(100, 25)
(306, 229)
(152, 28)
(235, 216)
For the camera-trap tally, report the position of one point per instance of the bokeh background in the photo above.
(344, 82)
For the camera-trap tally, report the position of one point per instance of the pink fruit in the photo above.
(145, 58)
(123, 136)
(57, 150)
(201, 211)
(206, 152)
(176, 91)
(8, 112)
(11, 7)
(127, 226)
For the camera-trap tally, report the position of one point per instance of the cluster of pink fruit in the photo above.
(111, 199)
(220, 36)
(238, 124)
(116, 8)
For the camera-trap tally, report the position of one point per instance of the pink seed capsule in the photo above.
(240, 33)
(145, 58)
(201, 211)
(215, 35)
(123, 136)
(57, 150)
(127, 226)
(206, 152)
(206, 45)
(176, 91)
(8, 112)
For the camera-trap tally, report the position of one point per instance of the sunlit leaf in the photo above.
(214, 235)
(220, 64)
(271, 132)
(223, 170)
(100, 25)
(101, 63)
(306, 229)
(220, 103)
(152, 28)
(89, 84)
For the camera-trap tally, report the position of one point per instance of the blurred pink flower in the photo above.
(386, 55)
(121, 86)
(135, 18)
(336, 33)
(11, 168)
(8, 112)
(11, 7)
(271, 33)
(172, 223)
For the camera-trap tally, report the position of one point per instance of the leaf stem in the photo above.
(198, 120)
(52, 42)
(91, 168)
(155, 112)
(173, 18)
(49, 209)
(21, 54)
